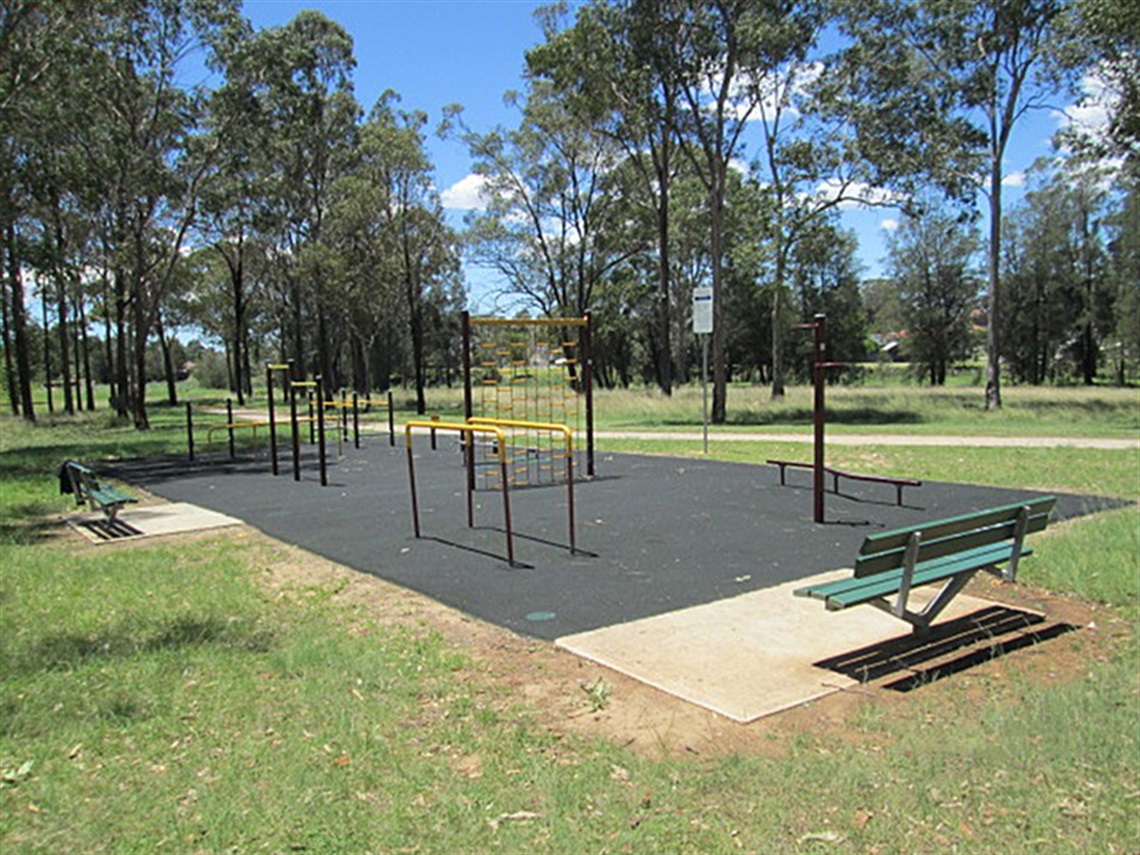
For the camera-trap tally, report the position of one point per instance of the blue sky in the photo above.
(439, 52)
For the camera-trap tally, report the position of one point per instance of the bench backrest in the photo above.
(881, 553)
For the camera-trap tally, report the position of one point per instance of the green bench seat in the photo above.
(88, 490)
(949, 551)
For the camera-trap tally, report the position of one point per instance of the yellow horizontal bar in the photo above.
(453, 426)
(528, 322)
(279, 367)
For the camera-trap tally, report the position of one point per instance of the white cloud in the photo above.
(889, 225)
(1014, 179)
(856, 194)
(466, 194)
(1090, 114)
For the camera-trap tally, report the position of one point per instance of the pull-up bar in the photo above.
(463, 429)
(568, 434)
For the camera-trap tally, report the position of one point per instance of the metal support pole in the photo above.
(468, 404)
(818, 355)
(705, 387)
(586, 357)
(391, 422)
(344, 415)
(356, 420)
(296, 434)
(189, 431)
(272, 418)
(230, 425)
(320, 392)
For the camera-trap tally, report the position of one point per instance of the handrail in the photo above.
(553, 427)
(465, 429)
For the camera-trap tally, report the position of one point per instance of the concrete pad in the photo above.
(751, 655)
(149, 521)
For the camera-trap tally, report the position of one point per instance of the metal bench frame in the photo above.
(89, 491)
(951, 551)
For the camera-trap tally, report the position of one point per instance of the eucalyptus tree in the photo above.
(614, 67)
(1060, 290)
(807, 159)
(938, 87)
(825, 277)
(140, 153)
(1123, 227)
(545, 229)
(1111, 29)
(932, 260)
(418, 261)
(717, 49)
(300, 83)
(37, 54)
(233, 193)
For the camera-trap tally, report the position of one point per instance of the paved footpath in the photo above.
(889, 439)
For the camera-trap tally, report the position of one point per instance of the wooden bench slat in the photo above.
(887, 584)
(879, 562)
(889, 581)
(897, 538)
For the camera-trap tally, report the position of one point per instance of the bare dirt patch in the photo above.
(556, 685)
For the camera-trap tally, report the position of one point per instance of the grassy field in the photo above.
(161, 698)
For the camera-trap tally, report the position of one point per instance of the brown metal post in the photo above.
(468, 403)
(320, 414)
(230, 425)
(312, 415)
(272, 418)
(391, 422)
(356, 420)
(189, 430)
(818, 357)
(570, 494)
(586, 356)
(506, 507)
(412, 486)
(296, 435)
(344, 415)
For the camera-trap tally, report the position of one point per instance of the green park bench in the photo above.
(78, 479)
(948, 551)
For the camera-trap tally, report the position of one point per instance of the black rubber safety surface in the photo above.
(654, 533)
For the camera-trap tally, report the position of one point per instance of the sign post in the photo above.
(703, 326)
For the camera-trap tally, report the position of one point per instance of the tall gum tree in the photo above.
(937, 88)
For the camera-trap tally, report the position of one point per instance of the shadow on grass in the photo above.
(803, 416)
(67, 651)
(919, 659)
(37, 530)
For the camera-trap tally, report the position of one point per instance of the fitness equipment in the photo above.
(468, 431)
(532, 370)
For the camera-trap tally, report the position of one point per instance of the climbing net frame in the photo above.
(536, 370)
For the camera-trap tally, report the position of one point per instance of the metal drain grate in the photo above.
(109, 529)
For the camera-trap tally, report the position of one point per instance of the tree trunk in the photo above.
(168, 365)
(665, 288)
(993, 321)
(89, 383)
(10, 383)
(47, 351)
(720, 382)
(121, 392)
(64, 347)
(19, 323)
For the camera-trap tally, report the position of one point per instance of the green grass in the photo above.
(159, 698)
(1026, 411)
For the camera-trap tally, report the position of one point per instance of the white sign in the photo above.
(702, 310)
